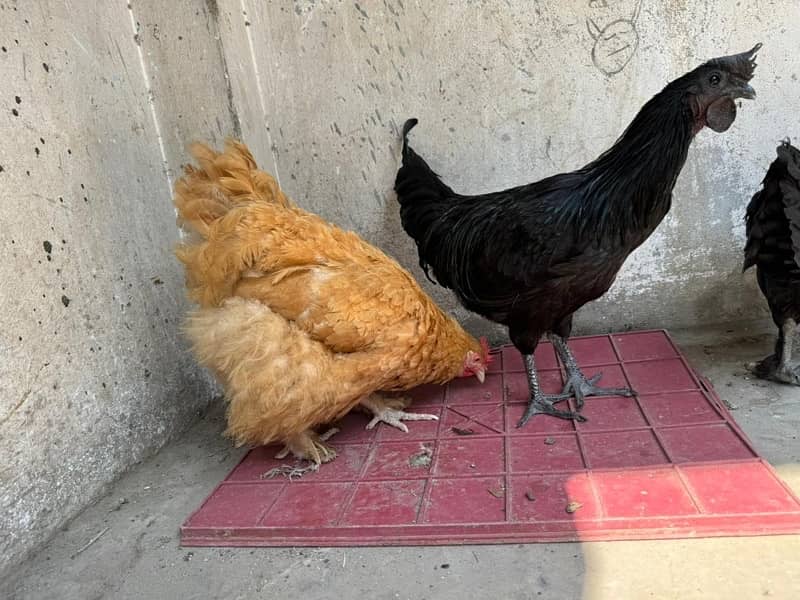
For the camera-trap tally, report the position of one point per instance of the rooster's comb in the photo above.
(743, 64)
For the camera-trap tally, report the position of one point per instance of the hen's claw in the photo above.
(307, 446)
(395, 418)
(317, 449)
(581, 387)
(290, 471)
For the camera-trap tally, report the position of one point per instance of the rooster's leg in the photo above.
(390, 411)
(576, 381)
(540, 403)
(776, 366)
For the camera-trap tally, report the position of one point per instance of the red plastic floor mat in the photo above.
(669, 463)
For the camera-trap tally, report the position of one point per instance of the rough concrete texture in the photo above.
(94, 375)
(138, 556)
(100, 98)
(508, 92)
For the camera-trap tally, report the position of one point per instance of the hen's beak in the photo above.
(481, 375)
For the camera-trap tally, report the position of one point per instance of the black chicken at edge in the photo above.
(529, 257)
(773, 246)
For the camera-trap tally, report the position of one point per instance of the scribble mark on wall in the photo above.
(616, 42)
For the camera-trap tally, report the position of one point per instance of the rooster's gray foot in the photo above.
(581, 387)
(542, 404)
(771, 369)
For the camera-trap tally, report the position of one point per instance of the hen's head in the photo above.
(476, 363)
(713, 87)
(791, 156)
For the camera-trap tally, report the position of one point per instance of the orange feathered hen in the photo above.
(300, 320)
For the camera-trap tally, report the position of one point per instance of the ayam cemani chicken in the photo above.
(773, 246)
(300, 320)
(529, 257)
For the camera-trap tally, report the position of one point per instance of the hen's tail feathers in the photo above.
(221, 181)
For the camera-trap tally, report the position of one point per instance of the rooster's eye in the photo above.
(714, 80)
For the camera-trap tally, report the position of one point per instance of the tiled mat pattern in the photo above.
(669, 463)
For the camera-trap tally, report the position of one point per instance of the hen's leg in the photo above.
(308, 446)
(390, 411)
(576, 381)
(540, 403)
(776, 366)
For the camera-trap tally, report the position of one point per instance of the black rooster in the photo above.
(530, 256)
(773, 245)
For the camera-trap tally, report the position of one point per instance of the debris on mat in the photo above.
(421, 458)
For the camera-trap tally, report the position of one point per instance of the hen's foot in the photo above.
(390, 411)
(310, 446)
(581, 388)
(306, 446)
(290, 471)
(395, 418)
(541, 404)
(771, 369)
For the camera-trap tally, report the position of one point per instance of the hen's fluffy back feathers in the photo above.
(337, 288)
(286, 296)
(222, 181)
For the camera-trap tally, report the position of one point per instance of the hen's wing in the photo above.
(349, 307)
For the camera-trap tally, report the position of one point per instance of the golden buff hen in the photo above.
(300, 320)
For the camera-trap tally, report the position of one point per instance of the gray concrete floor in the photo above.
(138, 555)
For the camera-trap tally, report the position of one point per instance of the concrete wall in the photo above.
(97, 101)
(508, 92)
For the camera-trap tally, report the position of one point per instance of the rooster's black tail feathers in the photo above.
(407, 126)
(423, 200)
(416, 181)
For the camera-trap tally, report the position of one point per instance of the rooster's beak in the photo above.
(481, 375)
(744, 90)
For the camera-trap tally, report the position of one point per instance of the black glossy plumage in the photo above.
(773, 235)
(530, 256)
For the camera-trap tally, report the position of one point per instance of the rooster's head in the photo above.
(713, 87)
